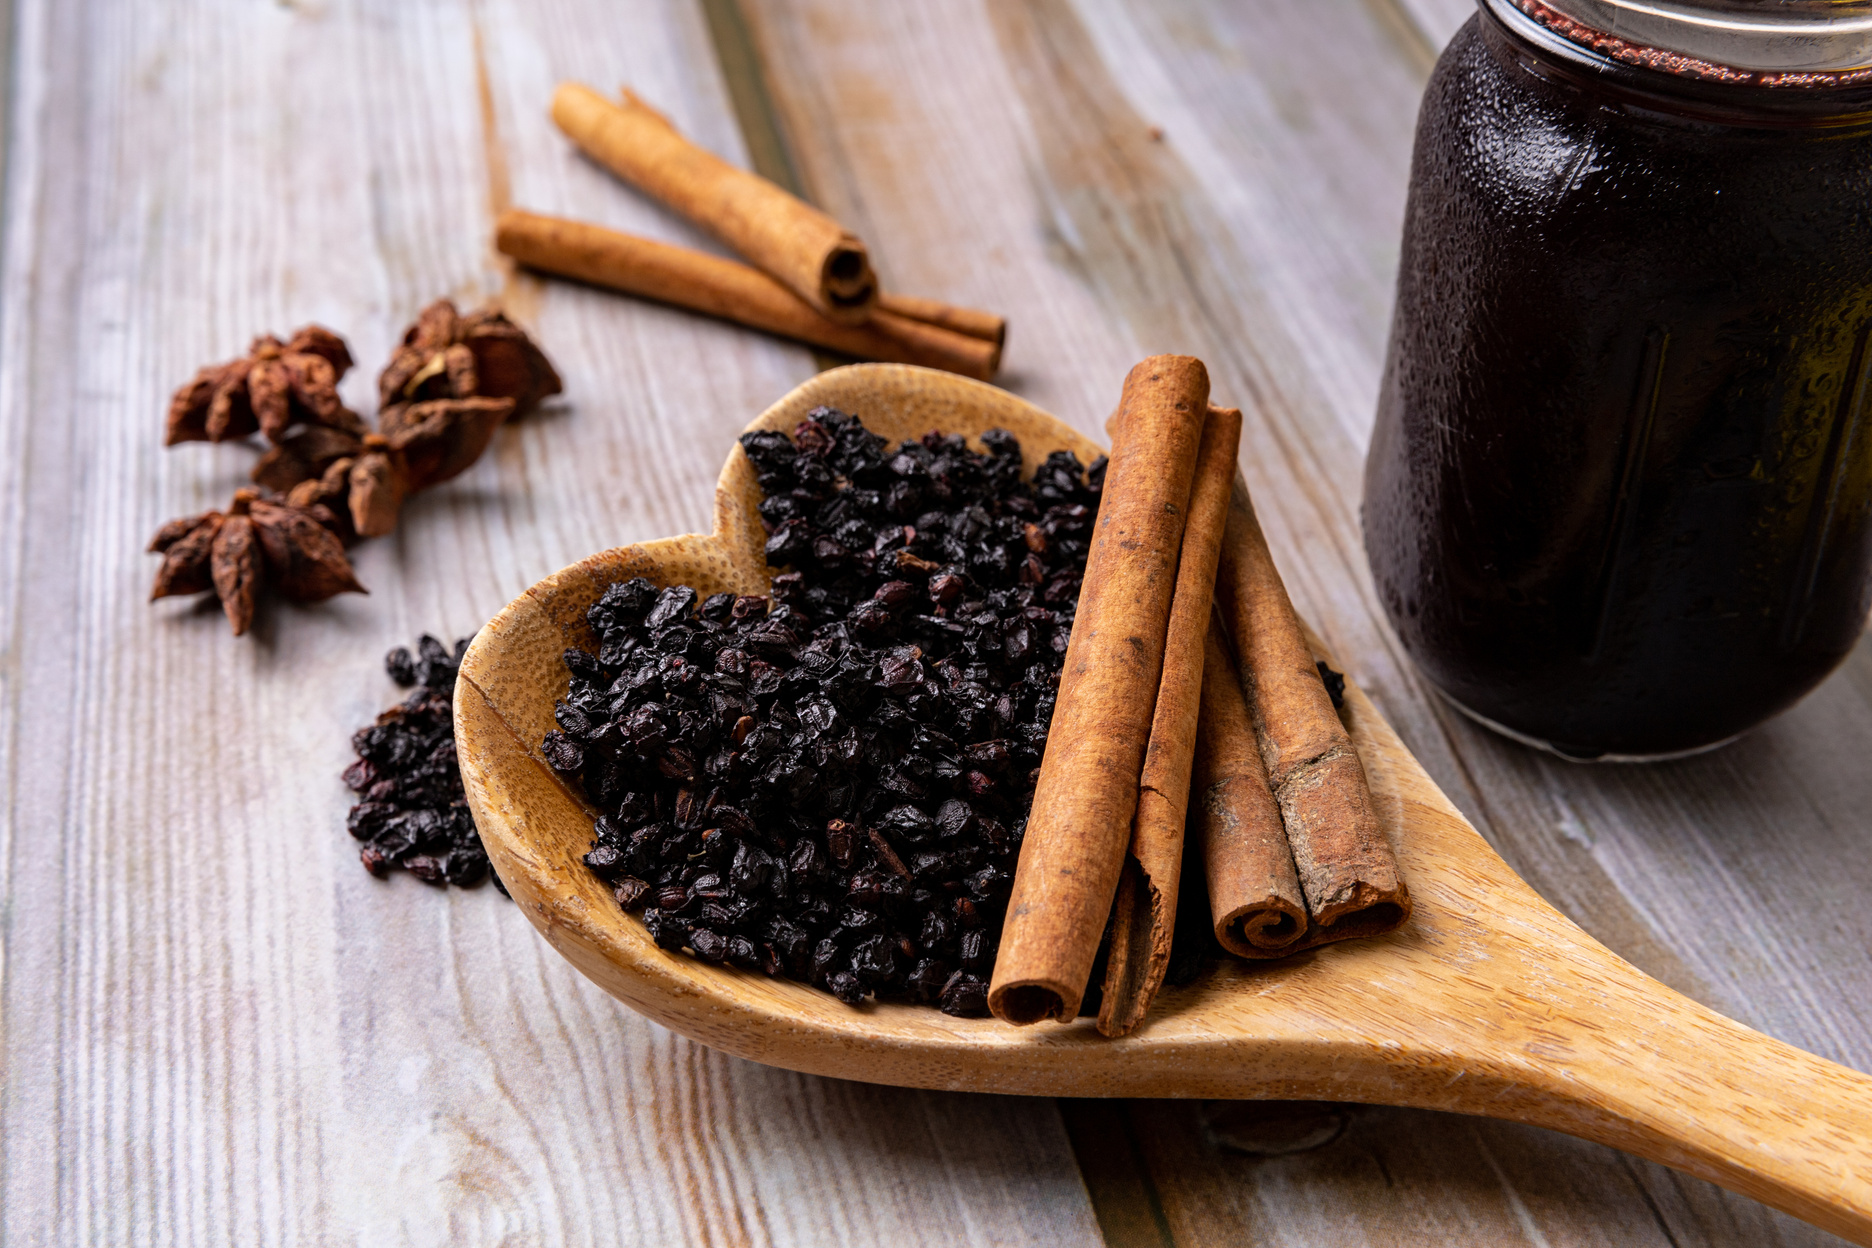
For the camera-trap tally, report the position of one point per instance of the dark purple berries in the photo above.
(832, 784)
(1335, 685)
(414, 813)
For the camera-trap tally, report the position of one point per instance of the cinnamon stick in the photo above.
(1254, 895)
(1080, 822)
(1347, 871)
(1144, 917)
(717, 287)
(971, 321)
(804, 249)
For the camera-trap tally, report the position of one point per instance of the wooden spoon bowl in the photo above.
(1488, 1002)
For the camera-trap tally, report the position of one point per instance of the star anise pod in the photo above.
(304, 454)
(256, 541)
(273, 387)
(446, 355)
(441, 438)
(421, 444)
(328, 496)
(376, 485)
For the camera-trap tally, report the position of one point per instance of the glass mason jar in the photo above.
(1618, 500)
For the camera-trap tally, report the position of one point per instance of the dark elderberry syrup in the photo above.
(1618, 495)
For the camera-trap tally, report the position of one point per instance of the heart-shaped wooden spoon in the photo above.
(1488, 1002)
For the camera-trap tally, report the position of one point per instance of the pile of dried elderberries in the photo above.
(412, 811)
(833, 785)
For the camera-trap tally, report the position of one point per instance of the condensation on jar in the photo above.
(1619, 495)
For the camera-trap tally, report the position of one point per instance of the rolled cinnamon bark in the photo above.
(1348, 873)
(1080, 823)
(1254, 895)
(804, 249)
(1144, 916)
(971, 321)
(717, 287)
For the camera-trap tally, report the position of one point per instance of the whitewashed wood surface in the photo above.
(1260, 232)
(215, 1028)
(218, 1028)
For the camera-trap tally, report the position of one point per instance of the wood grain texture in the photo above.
(216, 1027)
(1487, 1001)
(1261, 234)
(1437, 20)
(184, 1062)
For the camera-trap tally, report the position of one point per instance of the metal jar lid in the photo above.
(1773, 37)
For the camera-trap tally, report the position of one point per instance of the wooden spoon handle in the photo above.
(1645, 1069)
(1515, 1012)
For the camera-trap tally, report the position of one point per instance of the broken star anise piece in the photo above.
(440, 438)
(422, 444)
(256, 541)
(303, 455)
(328, 497)
(446, 355)
(273, 387)
(376, 484)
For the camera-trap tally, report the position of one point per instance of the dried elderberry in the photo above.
(1335, 684)
(413, 812)
(832, 783)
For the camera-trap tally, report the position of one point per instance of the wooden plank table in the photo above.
(216, 1028)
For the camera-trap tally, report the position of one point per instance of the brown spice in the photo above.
(453, 382)
(305, 560)
(717, 287)
(445, 355)
(304, 453)
(234, 564)
(256, 541)
(185, 545)
(1254, 895)
(422, 444)
(1144, 917)
(1087, 791)
(378, 482)
(970, 321)
(273, 387)
(331, 492)
(441, 438)
(366, 479)
(802, 248)
(1347, 870)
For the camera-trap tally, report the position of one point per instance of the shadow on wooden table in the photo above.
(1162, 1173)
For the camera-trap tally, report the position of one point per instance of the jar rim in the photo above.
(1802, 43)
